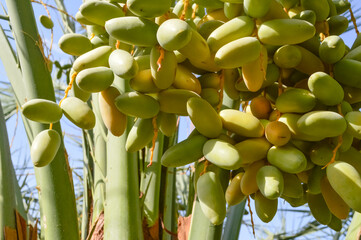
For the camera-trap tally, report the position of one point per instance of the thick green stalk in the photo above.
(57, 199)
(234, 221)
(199, 223)
(122, 213)
(100, 162)
(14, 75)
(169, 200)
(191, 195)
(150, 183)
(170, 206)
(87, 185)
(7, 193)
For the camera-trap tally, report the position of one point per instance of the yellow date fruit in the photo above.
(249, 181)
(334, 202)
(113, 119)
(222, 154)
(234, 194)
(253, 149)
(241, 123)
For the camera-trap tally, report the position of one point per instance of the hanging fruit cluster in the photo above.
(297, 137)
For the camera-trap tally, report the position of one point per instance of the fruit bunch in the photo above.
(297, 137)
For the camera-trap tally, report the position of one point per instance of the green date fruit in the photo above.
(285, 31)
(346, 181)
(266, 208)
(95, 79)
(46, 22)
(205, 119)
(270, 182)
(74, 44)
(140, 135)
(222, 154)
(287, 158)
(296, 100)
(325, 88)
(133, 30)
(137, 105)
(175, 100)
(211, 197)
(174, 34)
(322, 124)
(42, 110)
(185, 152)
(44, 147)
(318, 208)
(97, 57)
(99, 12)
(78, 112)
(123, 64)
(238, 52)
(234, 29)
(148, 9)
(354, 124)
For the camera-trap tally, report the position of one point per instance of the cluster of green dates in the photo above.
(283, 57)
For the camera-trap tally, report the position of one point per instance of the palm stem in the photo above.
(122, 213)
(56, 193)
(7, 194)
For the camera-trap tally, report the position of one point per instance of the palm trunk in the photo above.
(168, 203)
(150, 184)
(56, 193)
(100, 163)
(122, 213)
(87, 184)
